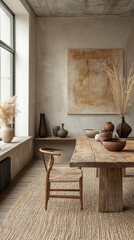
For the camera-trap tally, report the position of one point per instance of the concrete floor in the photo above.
(18, 185)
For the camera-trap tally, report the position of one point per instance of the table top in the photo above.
(90, 153)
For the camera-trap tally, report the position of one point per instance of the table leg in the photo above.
(97, 172)
(110, 190)
(123, 172)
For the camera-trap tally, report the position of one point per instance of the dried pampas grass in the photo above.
(123, 90)
(8, 111)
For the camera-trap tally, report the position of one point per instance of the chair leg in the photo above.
(47, 194)
(81, 192)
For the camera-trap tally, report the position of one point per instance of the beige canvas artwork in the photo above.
(88, 88)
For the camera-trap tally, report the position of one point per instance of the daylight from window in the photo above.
(6, 53)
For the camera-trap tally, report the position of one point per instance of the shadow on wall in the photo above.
(66, 147)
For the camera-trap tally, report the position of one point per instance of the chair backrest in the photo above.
(51, 152)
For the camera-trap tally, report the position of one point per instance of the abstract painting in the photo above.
(88, 88)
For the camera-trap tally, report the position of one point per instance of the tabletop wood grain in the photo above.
(90, 153)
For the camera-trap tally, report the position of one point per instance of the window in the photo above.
(7, 52)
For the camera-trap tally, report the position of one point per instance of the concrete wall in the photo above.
(32, 69)
(54, 37)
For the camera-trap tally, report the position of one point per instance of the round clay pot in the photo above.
(7, 133)
(55, 130)
(109, 127)
(105, 136)
(114, 144)
(62, 132)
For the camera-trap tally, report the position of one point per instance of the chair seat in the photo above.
(65, 174)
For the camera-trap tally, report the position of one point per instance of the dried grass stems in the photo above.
(122, 89)
(8, 111)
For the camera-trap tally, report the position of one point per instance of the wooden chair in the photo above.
(60, 174)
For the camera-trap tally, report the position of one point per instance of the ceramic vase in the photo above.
(123, 129)
(42, 126)
(55, 129)
(7, 133)
(109, 127)
(62, 132)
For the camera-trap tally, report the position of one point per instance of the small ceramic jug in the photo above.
(62, 132)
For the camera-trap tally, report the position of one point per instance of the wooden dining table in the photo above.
(92, 154)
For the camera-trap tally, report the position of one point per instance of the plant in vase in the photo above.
(8, 111)
(123, 93)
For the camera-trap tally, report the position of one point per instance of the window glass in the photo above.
(6, 74)
(6, 26)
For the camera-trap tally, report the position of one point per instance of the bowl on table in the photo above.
(90, 133)
(115, 144)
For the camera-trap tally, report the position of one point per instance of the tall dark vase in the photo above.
(42, 126)
(123, 129)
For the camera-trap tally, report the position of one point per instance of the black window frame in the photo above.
(8, 48)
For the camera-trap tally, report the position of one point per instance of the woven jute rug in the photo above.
(28, 220)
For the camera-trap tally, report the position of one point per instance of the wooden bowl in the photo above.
(106, 136)
(115, 144)
(90, 133)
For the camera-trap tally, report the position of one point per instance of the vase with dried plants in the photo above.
(8, 112)
(123, 93)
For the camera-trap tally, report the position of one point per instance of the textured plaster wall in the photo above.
(54, 37)
(31, 68)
